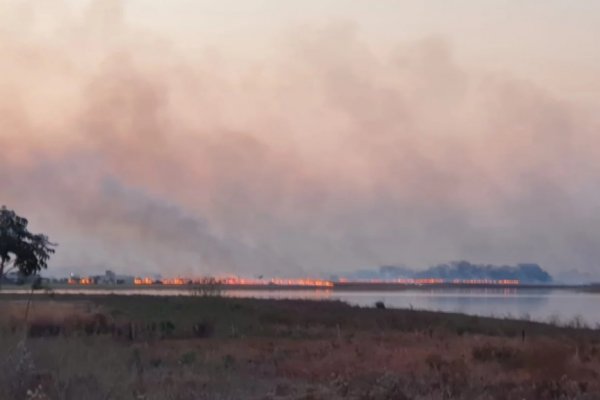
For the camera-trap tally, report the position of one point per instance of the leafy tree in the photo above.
(20, 249)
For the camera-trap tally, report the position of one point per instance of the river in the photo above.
(555, 305)
(547, 305)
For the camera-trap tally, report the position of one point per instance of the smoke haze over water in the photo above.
(332, 150)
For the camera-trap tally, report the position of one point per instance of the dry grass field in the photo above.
(142, 347)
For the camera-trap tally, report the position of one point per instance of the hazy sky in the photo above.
(299, 138)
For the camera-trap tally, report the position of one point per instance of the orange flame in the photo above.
(304, 282)
(235, 281)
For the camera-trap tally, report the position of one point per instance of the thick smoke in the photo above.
(323, 157)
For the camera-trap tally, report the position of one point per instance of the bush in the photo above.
(228, 361)
(166, 328)
(188, 358)
(503, 355)
(203, 329)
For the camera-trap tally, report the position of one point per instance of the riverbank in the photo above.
(557, 305)
(146, 347)
(334, 286)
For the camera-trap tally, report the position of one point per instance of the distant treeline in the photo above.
(464, 270)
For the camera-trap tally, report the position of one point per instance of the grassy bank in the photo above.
(144, 347)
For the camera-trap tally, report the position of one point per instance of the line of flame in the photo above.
(308, 282)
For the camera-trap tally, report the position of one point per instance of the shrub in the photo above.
(203, 329)
(228, 361)
(41, 328)
(156, 362)
(166, 328)
(503, 355)
(188, 358)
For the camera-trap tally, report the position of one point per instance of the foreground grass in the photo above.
(143, 347)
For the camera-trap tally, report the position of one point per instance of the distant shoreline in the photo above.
(338, 286)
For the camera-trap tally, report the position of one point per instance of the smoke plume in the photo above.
(324, 156)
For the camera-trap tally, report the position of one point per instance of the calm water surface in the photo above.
(554, 305)
(560, 306)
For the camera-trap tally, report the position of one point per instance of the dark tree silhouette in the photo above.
(20, 249)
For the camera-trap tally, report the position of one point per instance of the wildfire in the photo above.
(80, 281)
(486, 282)
(304, 282)
(277, 282)
(434, 281)
(143, 281)
(235, 281)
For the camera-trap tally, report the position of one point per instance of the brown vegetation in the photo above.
(120, 347)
